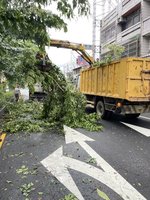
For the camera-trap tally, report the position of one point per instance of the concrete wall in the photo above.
(145, 9)
(131, 32)
(129, 4)
(141, 29)
(145, 47)
(110, 18)
(145, 28)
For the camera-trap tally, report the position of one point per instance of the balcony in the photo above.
(146, 27)
(129, 4)
(119, 38)
(132, 31)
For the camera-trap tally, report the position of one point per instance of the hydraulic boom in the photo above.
(79, 48)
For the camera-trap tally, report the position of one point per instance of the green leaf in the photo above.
(102, 195)
(9, 182)
(40, 193)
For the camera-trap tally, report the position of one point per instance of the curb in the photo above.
(2, 138)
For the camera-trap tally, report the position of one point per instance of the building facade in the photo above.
(128, 25)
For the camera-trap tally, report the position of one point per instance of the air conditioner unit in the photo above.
(121, 20)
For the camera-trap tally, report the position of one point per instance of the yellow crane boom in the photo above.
(79, 48)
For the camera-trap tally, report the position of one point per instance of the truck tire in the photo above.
(132, 116)
(100, 110)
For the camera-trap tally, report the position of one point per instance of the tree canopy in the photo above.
(24, 25)
(28, 19)
(23, 33)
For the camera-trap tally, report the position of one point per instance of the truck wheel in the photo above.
(132, 116)
(100, 110)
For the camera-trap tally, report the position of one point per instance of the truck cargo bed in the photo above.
(128, 78)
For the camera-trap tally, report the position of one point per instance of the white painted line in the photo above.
(145, 117)
(71, 135)
(117, 182)
(57, 164)
(143, 131)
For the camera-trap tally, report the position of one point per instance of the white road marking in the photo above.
(57, 164)
(72, 135)
(143, 117)
(144, 131)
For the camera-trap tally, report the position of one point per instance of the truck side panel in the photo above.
(109, 84)
(127, 79)
(138, 79)
(106, 81)
(89, 81)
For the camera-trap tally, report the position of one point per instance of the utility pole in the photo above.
(100, 9)
(98, 14)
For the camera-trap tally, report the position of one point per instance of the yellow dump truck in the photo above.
(122, 87)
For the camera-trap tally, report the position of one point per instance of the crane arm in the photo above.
(79, 48)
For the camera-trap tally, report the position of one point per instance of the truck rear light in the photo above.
(119, 104)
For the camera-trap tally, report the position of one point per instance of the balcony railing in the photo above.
(129, 4)
(131, 29)
(146, 27)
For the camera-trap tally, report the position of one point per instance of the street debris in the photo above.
(102, 195)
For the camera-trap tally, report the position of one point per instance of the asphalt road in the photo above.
(118, 154)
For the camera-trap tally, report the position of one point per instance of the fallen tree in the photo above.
(63, 105)
(23, 34)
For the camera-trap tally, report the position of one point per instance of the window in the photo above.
(136, 19)
(131, 49)
(108, 33)
(113, 31)
(132, 19)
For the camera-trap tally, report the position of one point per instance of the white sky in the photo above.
(79, 31)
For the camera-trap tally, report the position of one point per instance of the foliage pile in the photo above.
(24, 33)
(28, 116)
(115, 53)
(69, 197)
(24, 117)
(5, 97)
(63, 105)
(75, 116)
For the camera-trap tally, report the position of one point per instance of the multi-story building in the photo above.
(128, 25)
